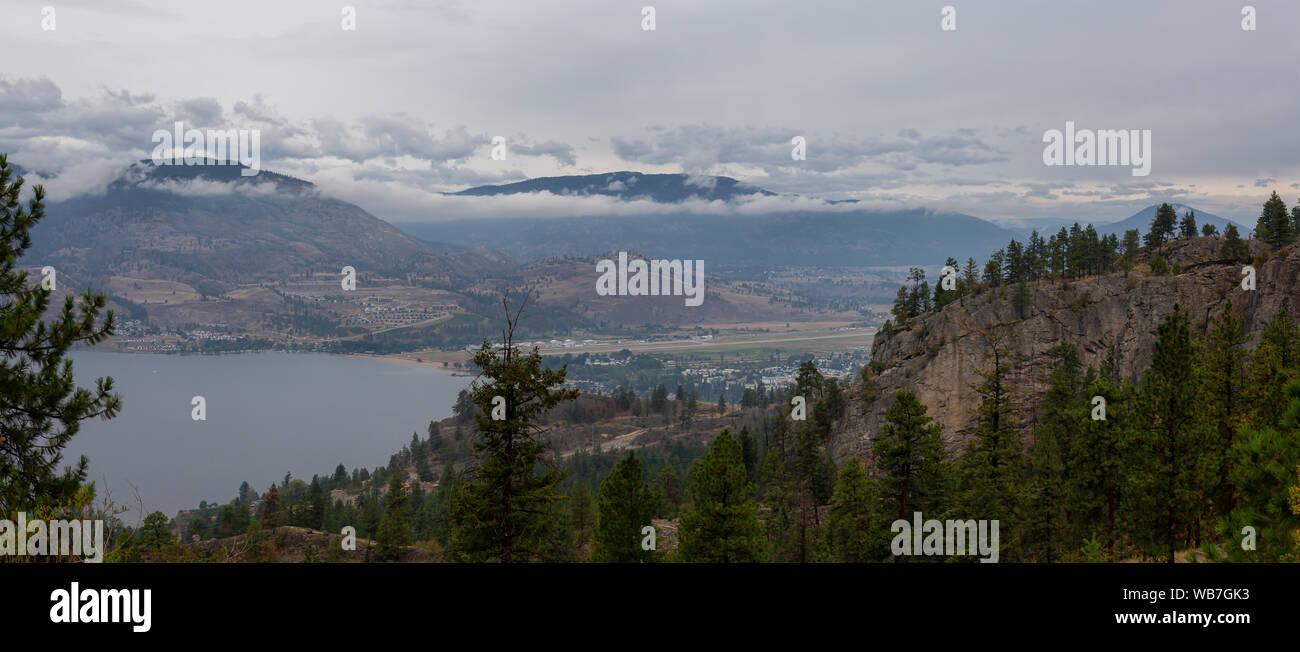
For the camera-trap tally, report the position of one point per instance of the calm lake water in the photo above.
(267, 413)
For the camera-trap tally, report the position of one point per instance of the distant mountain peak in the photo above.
(627, 185)
(145, 171)
(1141, 220)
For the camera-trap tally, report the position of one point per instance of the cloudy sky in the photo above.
(895, 110)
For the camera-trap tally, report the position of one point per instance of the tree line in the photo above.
(1080, 251)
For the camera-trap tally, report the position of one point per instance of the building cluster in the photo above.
(384, 311)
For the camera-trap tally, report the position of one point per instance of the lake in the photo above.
(267, 413)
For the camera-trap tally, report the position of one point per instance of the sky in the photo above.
(895, 110)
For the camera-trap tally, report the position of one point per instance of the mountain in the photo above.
(804, 238)
(212, 229)
(1141, 221)
(661, 188)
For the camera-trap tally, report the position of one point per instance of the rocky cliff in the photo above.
(937, 355)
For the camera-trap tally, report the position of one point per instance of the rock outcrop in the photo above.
(937, 355)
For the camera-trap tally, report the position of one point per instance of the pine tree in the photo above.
(1187, 226)
(809, 382)
(440, 505)
(316, 505)
(502, 509)
(1168, 465)
(721, 524)
(41, 408)
(310, 555)
(853, 530)
(749, 452)
(1274, 225)
(668, 485)
(1262, 465)
(1131, 247)
(272, 512)
(582, 516)
(993, 269)
(1274, 363)
(394, 533)
(434, 442)
(627, 505)
(1223, 376)
(154, 534)
(1046, 514)
(1021, 298)
(909, 454)
(793, 479)
(992, 468)
(1162, 226)
(970, 277)
(659, 398)
(1096, 486)
(944, 297)
(1233, 246)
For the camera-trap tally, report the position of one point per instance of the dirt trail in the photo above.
(621, 442)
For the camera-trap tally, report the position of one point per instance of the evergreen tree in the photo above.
(992, 468)
(944, 297)
(1021, 298)
(1187, 226)
(582, 516)
(1131, 247)
(154, 534)
(1274, 363)
(1223, 378)
(853, 533)
(1167, 463)
(1274, 225)
(1162, 226)
(316, 505)
(970, 277)
(1058, 247)
(41, 408)
(993, 269)
(668, 485)
(1046, 518)
(721, 524)
(1262, 465)
(809, 382)
(627, 505)
(794, 480)
(501, 510)
(434, 442)
(233, 520)
(909, 454)
(1097, 451)
(1233, 246)
(659, 398)
(272, 512)
(439, 506)
(1015, 266)
(394, 534)
(749, 453)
